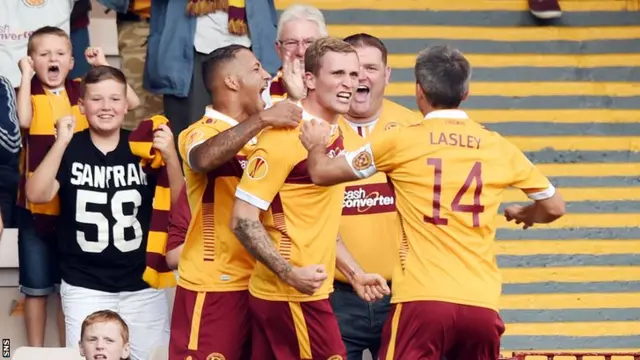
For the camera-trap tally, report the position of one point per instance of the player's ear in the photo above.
(71, 63)
(231, 82)
(310, 81)
(466, 94)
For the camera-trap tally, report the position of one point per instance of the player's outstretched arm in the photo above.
(323, 169)
(369, 287)
(219, 149)
(254, 237)
(43, 185)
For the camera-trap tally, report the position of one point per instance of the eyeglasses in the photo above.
(293, 44)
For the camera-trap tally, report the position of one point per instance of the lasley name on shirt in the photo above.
(102, 177)
(368, 199)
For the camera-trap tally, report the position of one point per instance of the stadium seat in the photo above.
(159, 353)
(38, 353)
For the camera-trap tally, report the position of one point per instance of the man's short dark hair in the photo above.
(363, 40)
(217, 58)
(443, 73)
(98, 74)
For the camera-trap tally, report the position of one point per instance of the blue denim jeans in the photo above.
(39, 270)
(360, 322)
(79, 43)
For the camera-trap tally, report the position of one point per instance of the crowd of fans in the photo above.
(106, 215)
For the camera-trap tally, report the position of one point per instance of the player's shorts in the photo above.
(432, 330)
(295, 330)
(210, 325)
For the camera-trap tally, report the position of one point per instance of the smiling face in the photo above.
(104, 341)
(52, 59)
(373, 78)
(335, 81)
(105, 105)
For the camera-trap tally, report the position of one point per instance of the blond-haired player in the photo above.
(448, 173)
(296, 247)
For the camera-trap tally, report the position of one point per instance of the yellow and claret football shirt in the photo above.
(370, 226)
(448, 173)
(212, 257)
(301, 218)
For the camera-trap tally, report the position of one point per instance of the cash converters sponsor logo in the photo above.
(368, 199)
(7, 33)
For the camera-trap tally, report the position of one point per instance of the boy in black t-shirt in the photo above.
(105, 213)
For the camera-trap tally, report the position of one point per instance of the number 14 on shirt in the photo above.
(474, 178)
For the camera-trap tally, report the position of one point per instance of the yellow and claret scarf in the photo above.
(157, 273)
(235, 9)
(276, 89)
(36, 143)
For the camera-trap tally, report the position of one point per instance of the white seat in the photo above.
(159, 353)
(38, 353)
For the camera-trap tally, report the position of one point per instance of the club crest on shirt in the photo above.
(216, 356)
(335, 357)
(391, 125)
(361, 161)
(34, 3)
(257, 168)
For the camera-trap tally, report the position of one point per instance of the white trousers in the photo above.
(146, 312)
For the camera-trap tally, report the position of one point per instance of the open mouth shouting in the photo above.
(344, 97)
(362, 93)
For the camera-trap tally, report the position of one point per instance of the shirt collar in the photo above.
(447, 114)
(308, 117)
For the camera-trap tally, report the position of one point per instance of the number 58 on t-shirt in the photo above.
(88, 200)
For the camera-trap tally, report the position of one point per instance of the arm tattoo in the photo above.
(223, 147)
(345, 261)
(255, 239)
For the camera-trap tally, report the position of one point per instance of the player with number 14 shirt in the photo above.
(448, 173)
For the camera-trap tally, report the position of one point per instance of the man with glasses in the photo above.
(298, 27)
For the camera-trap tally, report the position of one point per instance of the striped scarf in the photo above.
(276, 89)
(37, 142)
(157, 273)
(235, 9)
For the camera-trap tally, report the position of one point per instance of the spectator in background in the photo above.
(9, 152)
(80, 37)
(183, 31)
(19, 19)
(298, 27)
(104, 335)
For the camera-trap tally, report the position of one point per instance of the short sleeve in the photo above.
(377, 155)
(268, 166)
(526, 176)
(195, 135)
(179, 219)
